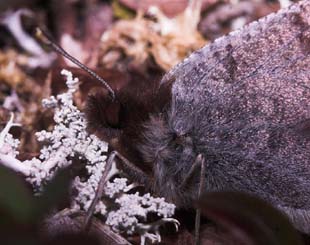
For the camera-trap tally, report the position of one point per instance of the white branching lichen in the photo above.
(8, 145)
(134, 207)
(69, 140)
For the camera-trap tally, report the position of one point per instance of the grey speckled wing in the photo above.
(245, 102)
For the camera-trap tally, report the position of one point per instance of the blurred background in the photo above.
(122, 40)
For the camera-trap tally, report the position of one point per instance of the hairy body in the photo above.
(242, 102)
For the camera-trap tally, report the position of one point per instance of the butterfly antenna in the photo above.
(44, 38)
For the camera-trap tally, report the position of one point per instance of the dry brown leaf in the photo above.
(165, 40)
(23, 94)
(9, 71)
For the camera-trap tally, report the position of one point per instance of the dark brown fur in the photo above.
(243, 102)
(118, 121)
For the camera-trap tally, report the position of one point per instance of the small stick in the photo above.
(192, 172)
(200, 190)
(103, 181)
(44, 38)
(99, 191)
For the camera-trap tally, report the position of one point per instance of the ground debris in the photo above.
(142, 40)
